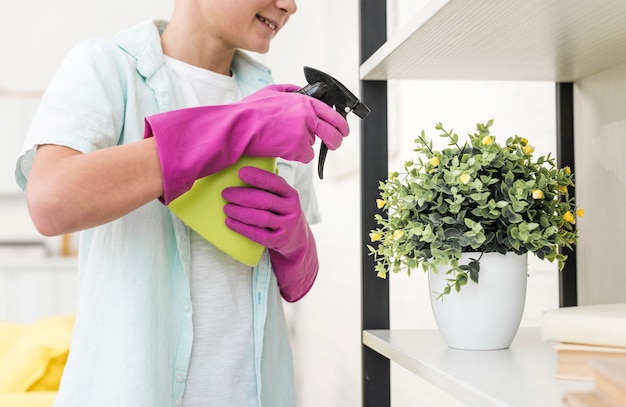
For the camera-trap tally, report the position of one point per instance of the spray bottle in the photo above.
(202, 207)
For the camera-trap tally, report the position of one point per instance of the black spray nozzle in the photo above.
(332, 92)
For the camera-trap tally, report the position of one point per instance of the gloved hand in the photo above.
(269, 213)
(196, 142)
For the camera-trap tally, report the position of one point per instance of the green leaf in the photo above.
(469, 223)
(474, 270)
(493, 212)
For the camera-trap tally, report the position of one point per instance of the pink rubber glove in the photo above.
(269, 213)
(273, 122)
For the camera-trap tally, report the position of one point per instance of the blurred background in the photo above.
(38, 275)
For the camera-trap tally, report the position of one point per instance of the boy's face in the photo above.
(247, 24)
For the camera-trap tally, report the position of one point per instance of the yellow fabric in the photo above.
(30, 399)
(51, 378)
(8, 332)
(34, 357)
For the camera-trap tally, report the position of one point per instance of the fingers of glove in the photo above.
(286, 124)
(266, 190)
(282, 125)
(305, 117)
(266, 180)
(258, 199)
(284, 95)
(325, 122)
(259, 218)
(329, 135)
(264, 237)
(331, 116)
(296, 109)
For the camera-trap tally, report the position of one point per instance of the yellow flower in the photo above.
(381, 274)
(380, 203)
(537, 194)
(434, 161)
(528, 149)
(375, 237)
(392, 174)
(464, 178)
(568, 170)
(568, 217)
(487, 140)
(580, 212)
(523, 141)
(397, 235)
(562, 189)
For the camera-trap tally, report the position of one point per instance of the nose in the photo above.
(288, 6)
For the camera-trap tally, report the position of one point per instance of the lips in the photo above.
(272, 25)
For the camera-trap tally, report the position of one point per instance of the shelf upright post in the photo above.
(374, 168)
(568, 291)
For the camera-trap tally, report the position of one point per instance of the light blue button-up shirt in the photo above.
(133, 335)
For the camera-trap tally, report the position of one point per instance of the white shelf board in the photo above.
(520, 376)
(535, 40)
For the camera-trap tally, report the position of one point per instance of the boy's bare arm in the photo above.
(69, 191)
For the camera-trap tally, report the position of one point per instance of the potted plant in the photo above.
(474, 196)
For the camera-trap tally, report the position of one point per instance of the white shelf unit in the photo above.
(510, 40)
(549, 40)
(520, 376)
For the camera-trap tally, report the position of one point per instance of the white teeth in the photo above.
(269, 24)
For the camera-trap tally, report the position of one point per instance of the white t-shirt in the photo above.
(223, 349)
(221, 288)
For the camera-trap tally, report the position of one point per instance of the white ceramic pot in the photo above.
(487, 315)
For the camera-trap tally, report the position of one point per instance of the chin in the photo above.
(258, 48)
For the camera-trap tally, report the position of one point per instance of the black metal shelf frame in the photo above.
(374, 168)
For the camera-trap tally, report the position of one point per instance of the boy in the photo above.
(127, 126)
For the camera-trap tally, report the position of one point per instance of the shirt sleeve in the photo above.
(83, 106)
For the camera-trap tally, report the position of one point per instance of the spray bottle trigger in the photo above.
(318, 90)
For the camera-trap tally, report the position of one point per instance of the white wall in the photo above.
(323, 34)
(34, 38)
(600, 141)
(37, 34)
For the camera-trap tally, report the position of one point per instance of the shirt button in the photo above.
(186, 307)
(178, 402)
(180, 378)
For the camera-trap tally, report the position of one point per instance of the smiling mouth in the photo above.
(268, 23)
